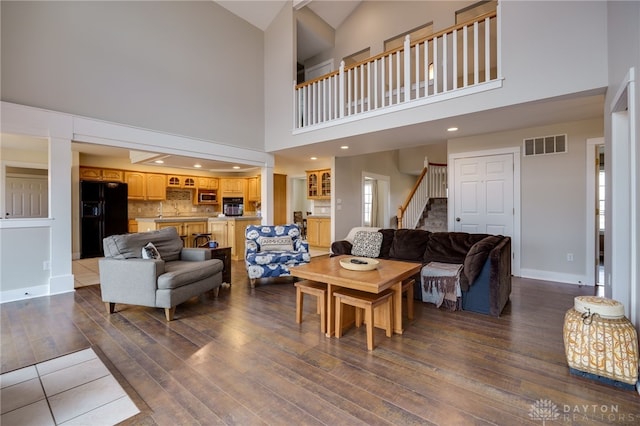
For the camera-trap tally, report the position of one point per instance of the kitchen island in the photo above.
(227, 231)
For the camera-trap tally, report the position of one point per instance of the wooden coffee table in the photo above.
(390, 273)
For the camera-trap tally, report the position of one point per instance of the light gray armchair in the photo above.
(178, 275)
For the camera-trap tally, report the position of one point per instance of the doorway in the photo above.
(484, 191)
(375, 200)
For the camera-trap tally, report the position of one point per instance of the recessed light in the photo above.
(236, 167)
(314, 158)
(452, 129)
(197, 166)
(159, 162)
(344, 147)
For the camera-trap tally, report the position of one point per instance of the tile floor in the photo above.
(75, 389)
(85, 272)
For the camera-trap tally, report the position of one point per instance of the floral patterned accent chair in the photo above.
(270, 250)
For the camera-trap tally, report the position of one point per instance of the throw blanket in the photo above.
(441, 285)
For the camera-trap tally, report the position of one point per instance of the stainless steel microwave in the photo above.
(207, 197)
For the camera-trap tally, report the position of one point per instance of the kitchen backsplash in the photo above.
(178, 203)
(322, 207)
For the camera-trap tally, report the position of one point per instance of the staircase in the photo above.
(434, 217)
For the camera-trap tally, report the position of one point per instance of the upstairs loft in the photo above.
(458, 61)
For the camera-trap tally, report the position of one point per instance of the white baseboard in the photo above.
(555, 276)
(24, 293)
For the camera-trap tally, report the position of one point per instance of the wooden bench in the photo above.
(366, 302)
(313, 288)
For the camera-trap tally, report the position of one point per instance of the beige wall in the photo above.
(553, 197)
(348, 176)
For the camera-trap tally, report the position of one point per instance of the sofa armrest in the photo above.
(500, 276)
(195, 254)
(301, 246)
(341, 247)
(131, 281)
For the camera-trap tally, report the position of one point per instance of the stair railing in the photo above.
(432, 183)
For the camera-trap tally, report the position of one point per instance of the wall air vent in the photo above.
(545, 145)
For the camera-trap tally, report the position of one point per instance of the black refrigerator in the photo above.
(104, 212)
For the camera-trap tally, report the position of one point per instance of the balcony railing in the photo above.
(447, 63)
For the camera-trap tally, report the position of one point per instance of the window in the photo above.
(367, 202)
(416, 34)
(357, 57)
(471, 12)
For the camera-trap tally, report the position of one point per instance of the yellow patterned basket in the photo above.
(600, 340)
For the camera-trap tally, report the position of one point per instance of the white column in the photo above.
(60, 163)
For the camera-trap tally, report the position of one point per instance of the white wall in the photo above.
(553, 198)
(187, 68)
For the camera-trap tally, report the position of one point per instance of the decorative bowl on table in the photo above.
(359, 263)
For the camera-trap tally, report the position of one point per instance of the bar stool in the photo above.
(201, 236)
(312, 288)
(367, 302)
(184, 240)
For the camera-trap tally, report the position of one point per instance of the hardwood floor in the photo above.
(242, 359)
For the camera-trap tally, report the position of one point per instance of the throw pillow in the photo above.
(275, 243)
(366, 244)
(150, 252)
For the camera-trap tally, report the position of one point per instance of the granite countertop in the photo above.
(164, 219)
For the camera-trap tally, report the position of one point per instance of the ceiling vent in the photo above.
(545, 145)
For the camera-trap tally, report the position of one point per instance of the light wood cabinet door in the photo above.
(133, 226)
(110, 175)
(319, 232)
(136, 185)
(189, 182)
(113, 175)
(174, 181)
(156, 189)
(319, 184)
(207, 183)
(232, 185)
(312, 185)
(190, 228)
(219, 232)
(253, 188)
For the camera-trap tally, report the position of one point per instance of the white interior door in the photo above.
(26, 197)
(484, 197)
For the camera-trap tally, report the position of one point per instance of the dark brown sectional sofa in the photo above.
(486, 275)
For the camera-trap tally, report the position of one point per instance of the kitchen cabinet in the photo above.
(319, 184)
(219, 232)
(319, 231)
(184, 228)
(146, 186)
(178, 181)
(156, 188)
(230, 233)
(190, 228)
(136, 185)
(253, 188)
(207, 183)
(234, 187)
(133, 226)
(107, 175)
